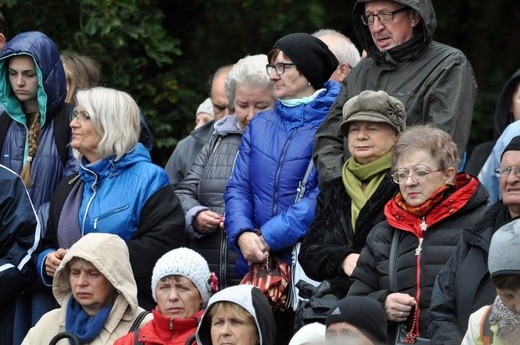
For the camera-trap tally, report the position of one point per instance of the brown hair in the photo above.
(82, 73)
(34, 136)
(507, 282)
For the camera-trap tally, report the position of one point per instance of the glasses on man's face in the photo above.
(82, 116)
(418, 175)
(279, 67)
(384, 18)
(504, 171)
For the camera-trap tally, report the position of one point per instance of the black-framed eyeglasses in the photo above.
(279, 67)
(384, 18)
(504, 171)
(418, 175)
(82, 116)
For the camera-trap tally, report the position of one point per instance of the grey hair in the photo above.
(341, 46)
(428, 138)
(249, 71)
(115, 116)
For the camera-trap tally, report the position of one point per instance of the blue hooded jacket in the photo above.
(273, 157)
(47, 167)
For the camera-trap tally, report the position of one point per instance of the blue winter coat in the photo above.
(47, 168)
(274, 154)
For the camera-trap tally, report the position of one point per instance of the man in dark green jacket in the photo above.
(434, 81)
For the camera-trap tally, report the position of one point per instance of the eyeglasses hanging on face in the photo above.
(279, 67)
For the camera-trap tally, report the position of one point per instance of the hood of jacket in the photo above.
(226, 125)
(503, 115)
(251, 299)
(51, 75)
(91, 173)
(423, 33)
(109, 254)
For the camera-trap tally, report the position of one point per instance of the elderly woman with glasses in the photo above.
(261, 216)
(118, 190)
(424, 221)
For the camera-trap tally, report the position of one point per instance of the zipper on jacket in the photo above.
(278, 171)
(171, 323)
(106, 214)
(94, 189)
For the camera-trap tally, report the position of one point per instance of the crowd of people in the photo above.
(359, 159)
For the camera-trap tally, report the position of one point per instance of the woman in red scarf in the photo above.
(425, 220)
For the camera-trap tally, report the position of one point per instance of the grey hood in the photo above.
(251, 299)
(423, 33)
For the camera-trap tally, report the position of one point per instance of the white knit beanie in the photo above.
(187, 263)
(205, 107)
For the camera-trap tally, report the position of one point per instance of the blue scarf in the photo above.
(82, 325)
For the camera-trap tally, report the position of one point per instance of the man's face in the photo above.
(399, 30)
(218, 96)
(510, 184)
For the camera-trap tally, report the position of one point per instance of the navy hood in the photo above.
(49, 68)
(503, 115)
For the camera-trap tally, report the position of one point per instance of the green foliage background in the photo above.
(163, 51)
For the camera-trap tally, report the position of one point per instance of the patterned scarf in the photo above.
(423, 209)
(507, 322)
(354, 174)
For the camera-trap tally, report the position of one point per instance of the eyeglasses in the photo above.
(279, 67)
(386, 17)
(82, 116)
(418, 175)
(505, 171)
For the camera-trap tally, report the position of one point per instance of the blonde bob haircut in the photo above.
(234, 309)
(115, 116)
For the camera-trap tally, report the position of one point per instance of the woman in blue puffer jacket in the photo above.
(261, 215)
(118, 190)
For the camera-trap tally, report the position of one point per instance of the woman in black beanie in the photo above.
(261, 215)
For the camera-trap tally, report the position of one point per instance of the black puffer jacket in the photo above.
(331, 239)
(434, 81)
(203, 188)
(416, 273)
(463, 286)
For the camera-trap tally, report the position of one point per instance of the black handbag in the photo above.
(402, 336)
(315, 303)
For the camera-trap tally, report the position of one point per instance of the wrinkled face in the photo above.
(420, 162)
(367, 141)
(339, 330)
(219, 98)
(202, 119)
(84, 138)
(251, 100)
(23, 77)
(510, 184)
(92, 290)
(178, 297)
(291, 84)
(510, 298)
(399, 30)
(515, 103)
(227, 328)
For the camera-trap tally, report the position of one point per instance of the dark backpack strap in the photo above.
(5, 121)
(138, 321)
(486, 335)
(62, 131)
(392, 262)
(191, 340)
(136, 338)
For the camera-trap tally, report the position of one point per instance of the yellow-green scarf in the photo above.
(353, 176)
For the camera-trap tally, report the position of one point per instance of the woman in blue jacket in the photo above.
(261, 216)
(118, 190)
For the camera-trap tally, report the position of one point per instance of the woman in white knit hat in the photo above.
(181, 285)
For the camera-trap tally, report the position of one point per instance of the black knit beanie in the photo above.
(514, 145)
(311, 56)
(364, 313)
